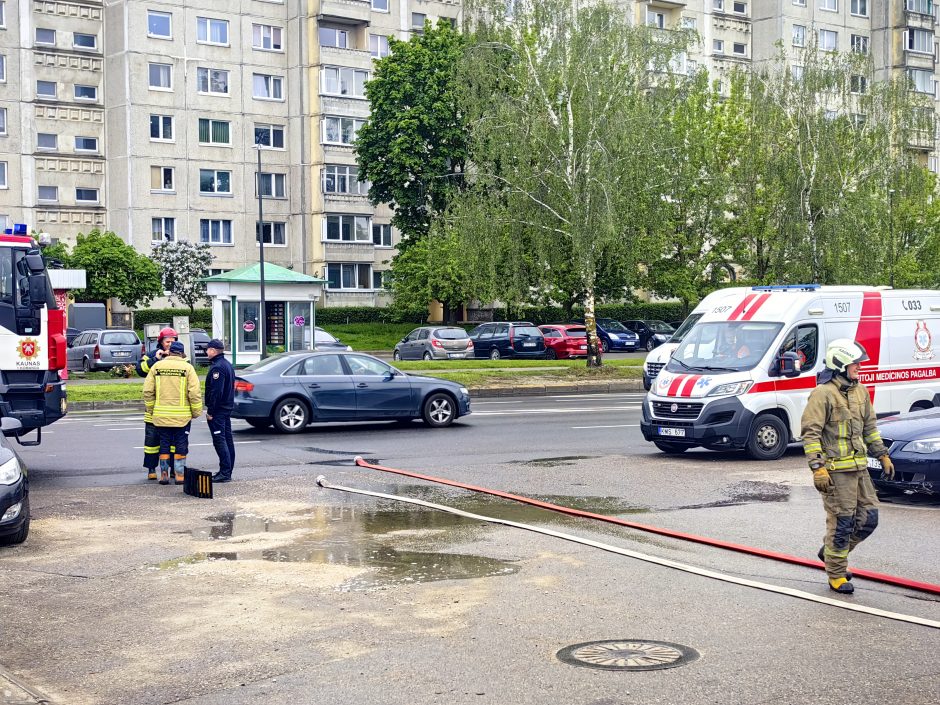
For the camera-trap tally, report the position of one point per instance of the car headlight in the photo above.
(10, 472)
(730, 389)
(613, 336)
(660, 336)
(464, 390)
(927, 445)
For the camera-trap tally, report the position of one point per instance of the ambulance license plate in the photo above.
(874, 464)
(666, 431)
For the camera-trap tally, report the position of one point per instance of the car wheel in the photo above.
(605, 346)
(439, 410)
(671, 448)
(86, 366)
(550, 354)
(650, 344)
(19, 536)
(396, 356)
(428, 355)
(768, 438)
(291, 415)
(258, 423)
(494, 354)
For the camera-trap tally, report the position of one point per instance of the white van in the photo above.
(659, 356)
(742, 374)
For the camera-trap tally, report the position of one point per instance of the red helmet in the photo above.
(167, 333)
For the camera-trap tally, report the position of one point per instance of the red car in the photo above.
(564, 340)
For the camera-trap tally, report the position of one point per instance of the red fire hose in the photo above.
(783, 557)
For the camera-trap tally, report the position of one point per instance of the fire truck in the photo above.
(32, 340)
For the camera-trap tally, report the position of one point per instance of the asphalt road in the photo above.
(278, 591)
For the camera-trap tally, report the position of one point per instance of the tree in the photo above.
(412, 148)
(183, 266)
(114, 269)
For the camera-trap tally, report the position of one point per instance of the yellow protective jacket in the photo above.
(172, 395)
(838, 427)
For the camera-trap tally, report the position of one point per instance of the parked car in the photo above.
(325, 341)
(71, 334)
(651, 333)
(292, 390)
(507, 339)
(104, 348)
(200, 340)
(434, 343)
(913, 441)
(564, 340)
(14, 489)
(614, 335)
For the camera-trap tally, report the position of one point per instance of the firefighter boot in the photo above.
(164, 469)
(151, 473)
(179, 469)
(822, 556)
(841, 585)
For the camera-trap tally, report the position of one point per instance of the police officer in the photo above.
(220, 400)
(151, 437)
(838, 429)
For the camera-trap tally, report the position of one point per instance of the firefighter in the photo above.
(173, 398)
(151, 439)
(838, 429)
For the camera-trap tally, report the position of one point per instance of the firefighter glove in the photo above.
(821, 479)
(887, 467)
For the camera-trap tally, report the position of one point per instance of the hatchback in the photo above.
(651, 333)
(507, 339)
(564, 340)
(434, 343)
(14, 489)
(292, 390)
(104, 348)
(913, 441)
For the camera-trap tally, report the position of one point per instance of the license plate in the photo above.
(528, 345)
(874, 464)
(666, 431)
(583, 347)
(456, 355)
(121, 354)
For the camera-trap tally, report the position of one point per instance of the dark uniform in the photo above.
(220, 400)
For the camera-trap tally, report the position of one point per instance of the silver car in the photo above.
(104, 348)
(434, 343)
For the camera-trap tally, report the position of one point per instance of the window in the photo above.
(45, 89)
(379, 279)
(739, 49)
(161, 127)
(47, 140)
(739, 8)
(86, 144)
(3, 69)
(84, 41)
(340, 178)
(829, 5)
(801, 3)
(86, 92)
(320, 365)
(799, 35)
(859, 7)
(274, 233)
(380, 5)
(267, 87)
(162, 229)
(270, 136)
(3, 14)
(161, 178)
(922, 7)
(382, 235)
(48, 193)
(215, 132)
(718, 46)
(655, 19)
(273, 185)
(3, 175)
(796, 73)
(340, 130)
(212, 81)
(859, 44)
(3, 121)
(804, 341)
(333, 37)
(923, 80)
(159, 24)
(211, 31)
(349, 276)
(266, 37)
(689, 23)
(215, 232)
(217, 270)
(213, 181)
(348, 228)
(858, 84)
(417, 21)
(920, 40)
(45, 36)
(378, 45)
(344, 81)
(86, 195)
(718, 5)
(828, 40)
(160, 77)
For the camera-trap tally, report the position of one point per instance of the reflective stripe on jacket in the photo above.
(840, 427)
(172, 396)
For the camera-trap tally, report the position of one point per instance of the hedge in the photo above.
(620, 312)
(200, 318)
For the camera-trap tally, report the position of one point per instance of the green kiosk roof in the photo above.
(273, 274)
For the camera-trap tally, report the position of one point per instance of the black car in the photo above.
(508, 339)
(200, 340)
(651, 333)
(14, 489)
(913, 441)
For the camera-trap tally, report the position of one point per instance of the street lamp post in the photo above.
(891, 234)
(259, 234)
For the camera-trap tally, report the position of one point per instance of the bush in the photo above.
(201, 318)
(368, 314)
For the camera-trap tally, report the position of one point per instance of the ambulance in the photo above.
(741, 375)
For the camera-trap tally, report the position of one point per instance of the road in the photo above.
(278, 591)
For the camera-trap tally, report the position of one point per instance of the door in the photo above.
(422, 345)
(73, 355)
(482, 337)
(381, 391)
(407, 346)
(328, 386)
(793, 393)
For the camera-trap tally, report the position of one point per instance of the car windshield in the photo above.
(724, 346)
(126, 338)
(684, 329)
(527, 330)
(660, 327)
(612, 326)
(450, 333)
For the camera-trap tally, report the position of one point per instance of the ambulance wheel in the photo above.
(768, 438)
(671, 448)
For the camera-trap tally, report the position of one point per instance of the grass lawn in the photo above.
(371, 336)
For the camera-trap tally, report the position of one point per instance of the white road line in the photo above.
(537, 412)
(238, 443)
(126, 428)
(623, 425)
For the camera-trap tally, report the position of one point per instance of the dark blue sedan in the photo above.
(295, 389)
(913, 442)
(14, 490)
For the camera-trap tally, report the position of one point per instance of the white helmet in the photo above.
(843, 352)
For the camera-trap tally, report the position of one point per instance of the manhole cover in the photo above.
(628, 655)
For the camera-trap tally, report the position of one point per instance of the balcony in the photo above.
(353, 12)
(921, 140)
(348, 251)
(353, 58)
(918, 60)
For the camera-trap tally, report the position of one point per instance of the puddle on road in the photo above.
(559, 460)
(747, 492)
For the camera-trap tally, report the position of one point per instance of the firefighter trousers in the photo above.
(152, 447)
(851, 516)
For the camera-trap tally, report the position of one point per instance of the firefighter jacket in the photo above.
(838, 426)
(146, 362)
(172, 395)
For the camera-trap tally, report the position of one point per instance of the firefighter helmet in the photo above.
(844, 352)
(167, 333)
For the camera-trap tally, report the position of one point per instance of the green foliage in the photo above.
(431, 268)
(58, 252)
(620, 312)
(183, 266)
(114, 269)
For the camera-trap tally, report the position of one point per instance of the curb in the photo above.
(15, 692)
(475, 392)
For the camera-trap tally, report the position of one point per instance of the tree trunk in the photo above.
(590, 323)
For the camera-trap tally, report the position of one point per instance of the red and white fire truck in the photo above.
(32, 340)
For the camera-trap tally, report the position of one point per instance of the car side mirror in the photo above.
(389, 376)
(787, 365)
(37, 289)
(8, 424)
